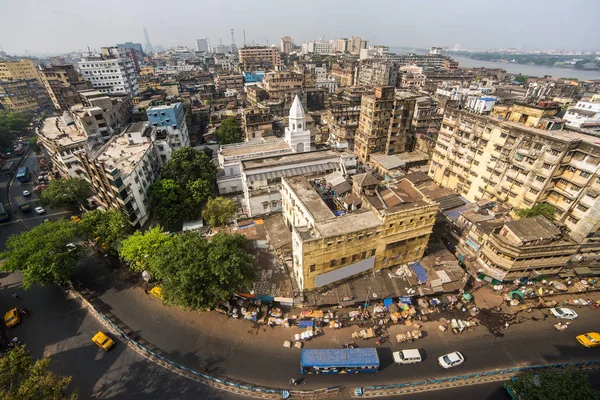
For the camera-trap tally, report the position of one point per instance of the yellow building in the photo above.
(23, 69)
(23, 96)
(339, 231)
(482, 157)
(526, 114)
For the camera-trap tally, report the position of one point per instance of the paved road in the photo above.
(254, 353)
(59, 327)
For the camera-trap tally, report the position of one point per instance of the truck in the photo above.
(22, 204)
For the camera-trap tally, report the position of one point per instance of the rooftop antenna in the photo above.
(266, 41)
(244, 38)
(89, 51)
(232, 38)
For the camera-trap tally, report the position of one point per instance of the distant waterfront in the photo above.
(530, 70)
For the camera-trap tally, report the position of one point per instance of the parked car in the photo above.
(590, 339)
(451, 360)
(103, 341)
(564, 313)
(26, 193)
(39, 210)
(12, 317)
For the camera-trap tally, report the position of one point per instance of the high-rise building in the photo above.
(23, 95)
(23, 69)
(149, 47)
(287, 46)
(355, 44)
(170, 121)
(385, 122)
(203, 45)
(264, 56)
(110, 73)
(62, 84)
(377, 73)
(137, 55)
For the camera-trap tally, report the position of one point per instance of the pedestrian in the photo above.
(506, 325)
(15, 295)
(15, 340)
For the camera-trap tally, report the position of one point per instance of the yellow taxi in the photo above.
(590, 339)
(12, 317)
(75, 218)
(156, 291)
(103, 341)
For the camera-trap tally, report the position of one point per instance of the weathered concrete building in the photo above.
(338, 232)
(385, 122)
(62, 84)
(377, 73)
(482, 157)
(345, 74)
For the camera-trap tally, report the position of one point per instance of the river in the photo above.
(529, 70)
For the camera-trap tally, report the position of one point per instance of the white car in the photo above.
(451, 360)
(564, 313)
(39, 210)
(26, 193)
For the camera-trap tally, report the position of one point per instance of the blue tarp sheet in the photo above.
(419, 271)
(387, 302)
(405, 300)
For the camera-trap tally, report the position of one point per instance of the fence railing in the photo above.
(224, 384)
(477, 376)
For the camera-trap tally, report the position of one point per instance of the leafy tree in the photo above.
(33, 144)
(218, 210)
(70, 193)
(106, 229)
(196, 273)
(41, 254)
(187, 165)
(197, 194)
(522, 79)
(229, 131)
(11, 125)
(139, 248)
(166, 199)
(543, 209)
(23, 378)
(553, 385)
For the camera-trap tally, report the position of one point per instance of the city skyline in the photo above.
(473, 25)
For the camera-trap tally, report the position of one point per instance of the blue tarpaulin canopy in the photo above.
(419, 271)
(405, 299)
(387, 302)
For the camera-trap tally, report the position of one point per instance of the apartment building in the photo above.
(482, 157)
(345, 74)
(121, 172)
(342, 119)
(342, 232)
(20, 70)
(385, 122)
(259, 56)
(24, 95)
(62, 84)
(583, 114)
(280, 84)
(355, 44)
(377, 73)
(110, 74)
(229, 82)
(170, 121)
(85, 126)
(287, 46)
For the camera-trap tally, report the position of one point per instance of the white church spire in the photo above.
(296, 134)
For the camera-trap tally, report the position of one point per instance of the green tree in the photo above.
(22, 378)
(139, 248)
(197, 194)
(196, 273)
(12, 124)
(553, 385)
(106, 229)
(218, 210)
(543, 209)
(166, 200)
(522, 79)
(33, 144)
(187, 165)
(229, 131)
(69, 193)
(41, 254)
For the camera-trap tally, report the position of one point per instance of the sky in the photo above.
(59, 26)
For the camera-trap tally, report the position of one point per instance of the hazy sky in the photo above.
(52, 26)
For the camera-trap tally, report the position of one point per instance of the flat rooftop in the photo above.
(254, 147)
(288, 159)
(118, 153)
(56, 129)
(310, 198)
(163, 107)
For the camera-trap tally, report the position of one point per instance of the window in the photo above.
(584, 174)
(265, 206)
(581, 207)
(312, 267)
(547, 166)
(372, 252)
(537, 146)
(364, 254)
(534, 191)
(332, 263)
(540, 178)
(344, 259)
(573, 220)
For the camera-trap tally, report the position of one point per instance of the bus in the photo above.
(339, 361)
(3, 213)
(23, 174)
(22, 204)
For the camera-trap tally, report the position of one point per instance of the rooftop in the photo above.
(254, 147)
(532, 229)
(118, 153)
(163, 107)
(56, 129)
(288, 159)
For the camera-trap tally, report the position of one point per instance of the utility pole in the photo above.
(244, 38)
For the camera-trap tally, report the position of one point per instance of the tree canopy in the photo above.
(166, 199)
(23, 378)
(187, 165)
(70, 193)
(138, 248)
(193, 272)
(41, 254)
(553, 385)
(229, 131)
(521, 79)
(543, 209)
(106, 229)
(12, 124)
(218, 210)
